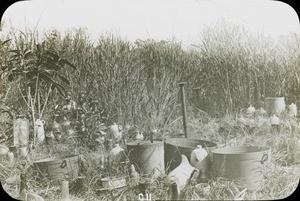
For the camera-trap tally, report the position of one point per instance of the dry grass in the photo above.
(281, 175)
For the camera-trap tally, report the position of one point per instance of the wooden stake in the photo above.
(183, 108)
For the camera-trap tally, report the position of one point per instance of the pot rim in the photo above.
(235, 150)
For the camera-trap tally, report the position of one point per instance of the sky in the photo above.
(181, 20)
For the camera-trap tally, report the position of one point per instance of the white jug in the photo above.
(114, 129)
(200, 160)
(197, 157)
(293, 110)
(274, 120)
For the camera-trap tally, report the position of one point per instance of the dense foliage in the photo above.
(228, 70)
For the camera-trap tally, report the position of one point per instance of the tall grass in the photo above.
(241, 69)
(137, 82)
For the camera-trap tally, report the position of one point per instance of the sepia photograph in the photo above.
(143, 100)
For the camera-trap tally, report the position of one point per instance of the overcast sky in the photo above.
(158, 19)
